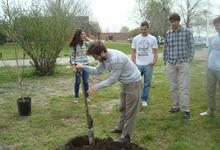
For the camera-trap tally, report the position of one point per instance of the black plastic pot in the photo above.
(24, 106)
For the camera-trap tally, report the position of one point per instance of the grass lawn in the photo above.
(56, 118)
(7, 50)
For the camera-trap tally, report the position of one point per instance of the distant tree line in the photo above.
(193, 13)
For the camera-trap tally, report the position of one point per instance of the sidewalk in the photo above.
(199, 54)
(28, 62)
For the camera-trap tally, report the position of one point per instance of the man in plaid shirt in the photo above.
(178, 54)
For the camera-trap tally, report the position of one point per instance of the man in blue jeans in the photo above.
(144, 55)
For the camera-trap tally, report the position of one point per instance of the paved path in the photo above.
(199, 54)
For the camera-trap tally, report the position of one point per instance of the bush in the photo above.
(3, 38)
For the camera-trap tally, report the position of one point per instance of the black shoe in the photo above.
(174, 110)
(115, 130)
(187, 115)
(126, 139)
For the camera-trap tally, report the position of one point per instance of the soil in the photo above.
(82, 143)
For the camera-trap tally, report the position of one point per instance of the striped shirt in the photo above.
(178, 46)
(78, 54)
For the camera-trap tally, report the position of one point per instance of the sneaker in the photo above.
(88, 99)
(144, 104)
(126, 139)
(174, 110)
(76, 100)
(187, 115)
(206, 113)
(116, 130)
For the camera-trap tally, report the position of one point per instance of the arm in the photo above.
(190, 46)
(209, 49)
(74, 67)
(165, 48)
(133, 55)
(92, 70)
(114, 76)
(155, 52)
(88, 39)
(95, 70)
(155, 56)
(72, 59)
(71, 54)
(209, 45)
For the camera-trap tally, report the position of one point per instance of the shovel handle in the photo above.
(88, 116)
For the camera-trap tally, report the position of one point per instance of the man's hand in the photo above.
(91, 91)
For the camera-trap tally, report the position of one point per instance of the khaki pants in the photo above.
(213, 77)
(178, 76)
(129, 101)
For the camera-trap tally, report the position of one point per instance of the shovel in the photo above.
(88, 116)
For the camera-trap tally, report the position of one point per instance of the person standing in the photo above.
(178, 54)
(78, 47)
(213, 70)
(121, 69)
(144, 55)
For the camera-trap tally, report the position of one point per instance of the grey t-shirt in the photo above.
(119, 65)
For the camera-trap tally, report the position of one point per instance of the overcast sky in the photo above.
(113, 14)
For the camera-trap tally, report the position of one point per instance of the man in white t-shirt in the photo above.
(144, 55)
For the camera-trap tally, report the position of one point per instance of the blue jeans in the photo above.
(146, 71)
(85, 76)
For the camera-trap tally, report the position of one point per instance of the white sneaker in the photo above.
(88, 99)
(205, 113)
(144, 104)
(76, 100)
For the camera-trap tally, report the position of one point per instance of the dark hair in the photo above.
(144, 23)
(76, 38)
(174, 17)
(216, 20)
(96, 48)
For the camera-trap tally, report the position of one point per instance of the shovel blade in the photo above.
(91, 136)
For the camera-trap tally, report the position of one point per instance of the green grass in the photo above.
(56, 119)
(124, 46)
(8, 52)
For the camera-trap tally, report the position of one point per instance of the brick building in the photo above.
(84, 23)
(114, 36)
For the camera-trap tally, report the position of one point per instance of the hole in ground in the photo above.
(82, 143)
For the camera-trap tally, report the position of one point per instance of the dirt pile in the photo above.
(82, 143)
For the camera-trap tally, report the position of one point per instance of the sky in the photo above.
(113, 14)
